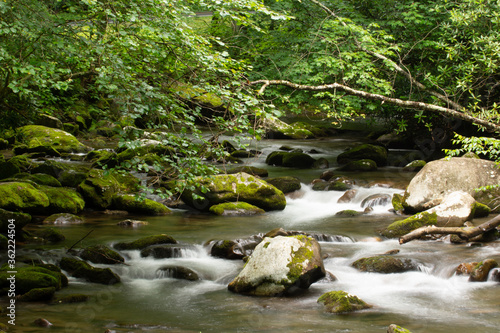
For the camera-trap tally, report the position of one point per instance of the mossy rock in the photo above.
(285, 184)
(100, 254)
(481, 271)
(15, 165)
(414, 166)
(178, 272)
(31, 277)
(397, 202)
(316, 131)
(278, 129)
(51, 141)
(38, 178)
(276, 158)
(335, 185)
(480, 210)
(232, 188)
(49, 121)
(144, 242)
(63, 218)
(68, 174)
(340, 302)
(359, 165)
(365, 151)
(80, 269)
(63, 200)
(135, 205)
(101, 186)
(38, 295)
(385, 264)
(402, 227)
(51, 235)
(227, 249)
(251, 170)
(393, 328)
(20, 196)
(239, 208)
(20, 220)
(348, 213)
(102, 158)
(298, 160)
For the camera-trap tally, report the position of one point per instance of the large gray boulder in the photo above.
(279, 264)
(439, 178)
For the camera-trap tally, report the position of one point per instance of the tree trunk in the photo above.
(396, 101)
(465, 233)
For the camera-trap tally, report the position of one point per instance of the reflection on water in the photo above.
(428, 300)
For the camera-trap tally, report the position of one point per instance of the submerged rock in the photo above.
(385, 264)
(235, 209)
(144, 242)
(38, 295)
(100, 254)
(178, 272)
(80, 269)
(359, 165)
(64, 218)
(441, 177)
(232, 188)
(481, 271)
(339, 302)
(279, 264)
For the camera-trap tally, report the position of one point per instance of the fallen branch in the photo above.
(465, 233)
(396, 101)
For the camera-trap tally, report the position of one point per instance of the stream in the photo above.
(430, 300)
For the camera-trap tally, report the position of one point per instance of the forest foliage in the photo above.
(125, 62)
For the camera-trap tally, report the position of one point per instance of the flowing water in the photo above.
(432, 299)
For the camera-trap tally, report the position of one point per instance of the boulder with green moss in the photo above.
(80, 269)
(15, 165)
(402, 227)
(385, 264)
(31, 277)
(276, 158)
(481, 271)
(38, 178)
(285, 184)
(51, 141)
(365, 151)
(414, 166)
(340, 302)
(20, 220)
(100, 254)
(393, 328)
(233, 188)
(142, 206)
(480, 210)
(100, 187)
(239, 208)
(144, 242)
(278, 129)
(38, 295)
(62, 200)
(279, 264)
(68, 174)
(24, 197)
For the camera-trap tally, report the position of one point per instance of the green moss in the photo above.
(139, 206)
(21, 219)
(49, 140)
(63, 200)
(480, 210)
(402, 227)
(189, 92)
(397, 329)
(348, 213)
(397, 202)
(341, 302)
(299, 257)
(99, 188)
(31, 277)
(81, 269)
(365, 151)
(235, 208)
(19, 196)
(39, 178)
(144, 242)
(15, 165)
(384, 264)
(51, 235)
(286, 184)
(38, 295)
(100, 254)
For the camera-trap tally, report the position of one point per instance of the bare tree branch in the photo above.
(464, 233)
(395, 101)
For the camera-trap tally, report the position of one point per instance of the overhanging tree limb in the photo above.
(464, 233)
(395, 101)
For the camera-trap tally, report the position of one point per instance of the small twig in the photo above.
(78, 241)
